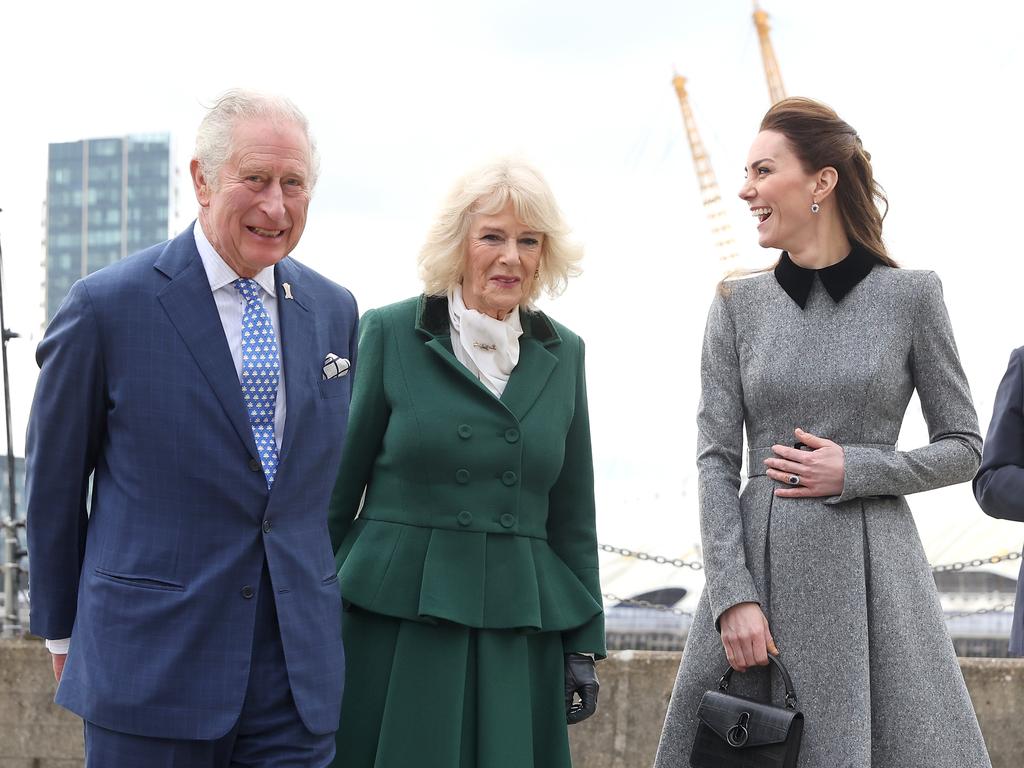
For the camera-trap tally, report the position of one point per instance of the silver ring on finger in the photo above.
(793, 479)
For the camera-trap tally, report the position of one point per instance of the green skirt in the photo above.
(449, 696)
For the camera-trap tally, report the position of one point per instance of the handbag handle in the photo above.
(723, 684)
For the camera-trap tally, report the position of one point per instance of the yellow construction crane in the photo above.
(776, 90)
(721, 231)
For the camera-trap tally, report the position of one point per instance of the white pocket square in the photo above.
(335, 367)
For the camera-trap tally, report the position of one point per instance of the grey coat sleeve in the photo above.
(999, 486)
(719, 458)
(954, 448)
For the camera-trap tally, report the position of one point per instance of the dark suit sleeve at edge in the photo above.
(368, 419)
(999, 486)
(65, 431)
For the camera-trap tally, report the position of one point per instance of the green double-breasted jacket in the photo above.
(477, 510)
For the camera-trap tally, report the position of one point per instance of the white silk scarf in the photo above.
(489, 348)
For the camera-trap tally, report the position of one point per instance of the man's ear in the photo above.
(200, 183)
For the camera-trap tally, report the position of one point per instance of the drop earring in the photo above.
(536, 274)
(815, 207)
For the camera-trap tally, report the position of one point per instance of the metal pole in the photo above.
(12, 568)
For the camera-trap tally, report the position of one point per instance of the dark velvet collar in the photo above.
(839, 278)
(432, 317)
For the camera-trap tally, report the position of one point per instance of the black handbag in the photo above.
(737, 732)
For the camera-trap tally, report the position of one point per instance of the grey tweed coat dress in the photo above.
(844, 581)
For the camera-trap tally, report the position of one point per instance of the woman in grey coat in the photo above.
(817, 556)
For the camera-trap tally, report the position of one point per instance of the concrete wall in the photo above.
(635, 688)
(34, 732)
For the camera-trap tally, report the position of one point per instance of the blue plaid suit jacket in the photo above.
(137, 390)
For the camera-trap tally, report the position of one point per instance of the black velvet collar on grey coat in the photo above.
(839, 278)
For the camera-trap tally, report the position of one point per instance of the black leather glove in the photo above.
(580, 679)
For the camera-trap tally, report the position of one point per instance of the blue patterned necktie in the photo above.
(260, 371)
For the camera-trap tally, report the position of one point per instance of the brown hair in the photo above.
(818, 136)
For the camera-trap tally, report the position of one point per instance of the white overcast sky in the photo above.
(404, 96)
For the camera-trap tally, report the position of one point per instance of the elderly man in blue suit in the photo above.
(201, 385)
(999, 486)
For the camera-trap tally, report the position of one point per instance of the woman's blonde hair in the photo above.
(487, 190)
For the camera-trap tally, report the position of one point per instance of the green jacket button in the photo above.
(507, 520)
(465, 431)
(465, 517)
(512, 435)
(462, 476)
(509, 477)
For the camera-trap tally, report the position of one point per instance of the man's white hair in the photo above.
(213, 139)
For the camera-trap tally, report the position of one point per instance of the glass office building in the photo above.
(105, 199)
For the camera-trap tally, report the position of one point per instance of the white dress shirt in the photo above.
(230, 306)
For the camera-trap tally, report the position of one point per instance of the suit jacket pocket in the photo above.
(336, 387)
(142, 582)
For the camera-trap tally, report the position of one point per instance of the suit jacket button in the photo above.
(509, 477)
(255, 465)
(465, 431)
(462, 476)
(266, 526)
(512, 435)
(247, 592)
(507, 520)
(465, 517)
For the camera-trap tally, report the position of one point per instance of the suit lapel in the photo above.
(189, 303)
(529, 376)
(299, 354)
(442, 347)
(432, 322)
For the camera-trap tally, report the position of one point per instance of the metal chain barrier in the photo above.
(659, 559)
(992, 609)
(667, 609)
(645, 604)
(976, 563)
(696, 565)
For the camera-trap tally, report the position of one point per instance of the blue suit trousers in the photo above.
(269, 732)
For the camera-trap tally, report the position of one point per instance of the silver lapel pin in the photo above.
(287, 290)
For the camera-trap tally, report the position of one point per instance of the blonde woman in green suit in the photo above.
(470, 573)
